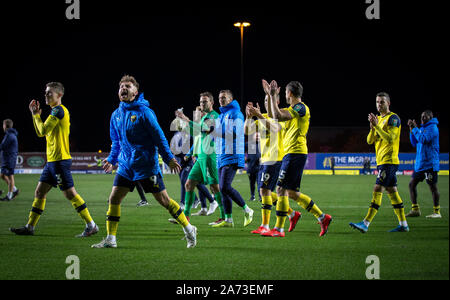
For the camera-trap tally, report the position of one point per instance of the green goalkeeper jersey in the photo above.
(203, 142)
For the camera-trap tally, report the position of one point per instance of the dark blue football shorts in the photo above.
(152, 184)
(57, 173)
(430, 176)
(7, 171)
(387, 176)
(291, 171)
(268, 175)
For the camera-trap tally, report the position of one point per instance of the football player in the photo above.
(56, 173)
(385, 134)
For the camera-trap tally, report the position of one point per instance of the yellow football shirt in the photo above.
(56, 130)
(386, 137)
(270, 144)
(294, 139)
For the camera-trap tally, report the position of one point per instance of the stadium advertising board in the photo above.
(355, 161)
(82, 162)
(90, 162)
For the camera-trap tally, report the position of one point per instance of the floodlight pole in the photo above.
(241, 26)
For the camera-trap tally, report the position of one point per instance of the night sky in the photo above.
(177, 50)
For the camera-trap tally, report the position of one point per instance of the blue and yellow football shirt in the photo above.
(56, 130)
(294, 139)
(386, 137)
(271, 144)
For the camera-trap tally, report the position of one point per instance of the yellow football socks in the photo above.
(305, 201)
(177, 213)
(112, 219)
(374, 206)
(397, 204)
(36, 211)
(80, 205)
(274, 202)
(266, 208)
(282, 209)
(437, 209)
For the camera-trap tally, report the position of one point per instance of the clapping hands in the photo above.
(412, 124)
(251, 111)
(271, 89)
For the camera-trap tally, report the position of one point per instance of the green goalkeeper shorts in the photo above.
(205, 171)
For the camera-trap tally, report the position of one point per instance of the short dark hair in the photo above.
(207, 94)
(295, 88)
(129, 78)
(57, 86)
(428, 113)
(385, 95)
(8, 123)
(226, 92)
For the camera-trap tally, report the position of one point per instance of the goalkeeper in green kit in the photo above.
(205, 168)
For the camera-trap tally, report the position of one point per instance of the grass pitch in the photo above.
(149, 247)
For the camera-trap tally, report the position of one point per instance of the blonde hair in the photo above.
(129, 78)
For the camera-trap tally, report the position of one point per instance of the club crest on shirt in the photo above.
(133, 118)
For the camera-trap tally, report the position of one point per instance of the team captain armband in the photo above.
(300, 109)
(58, 112)
(394, 121)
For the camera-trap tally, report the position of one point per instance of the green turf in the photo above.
(151, 248)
